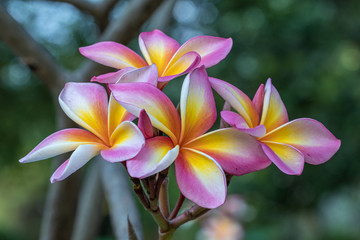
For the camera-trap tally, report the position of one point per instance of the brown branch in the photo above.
(163, 17)
(59, 211)
(103, 17)
(121, 30)
(60, 206)
(82, 5)
(61, 200)
(89, 212)
(35, 56)
(100, 11)
(108, 5)
(120, 199)
(128, 25)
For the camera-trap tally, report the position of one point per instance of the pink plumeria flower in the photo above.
(287, 144)
(171, 58)
(199, 158)
(110, 131)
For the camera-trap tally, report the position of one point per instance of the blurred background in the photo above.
(311, 51)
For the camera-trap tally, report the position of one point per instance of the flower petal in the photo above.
(116, 115)
(158, 154)
(60, 142)
(238, 100)
(112, 77)
(226, 108)
(148, 74)
(211, 49)
(258, 99)
(161, 111)
(87, 105)
(237, 152)
(287, 158)
(183, 65)
(78, 158)
(157, 48)
(144, 125)
(197, 105)
(113, 54)
(274, 113)
(200, 178)
(309, 136)
(235, 120)
(126, 142)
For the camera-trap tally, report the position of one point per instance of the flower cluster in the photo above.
(259, 133)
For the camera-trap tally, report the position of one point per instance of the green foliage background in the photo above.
(310, 49)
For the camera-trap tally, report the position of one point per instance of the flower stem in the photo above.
(161, 221)
(151, 181)
(156, 202)
(166, 235)
(140, 193)
(190, 214)
(150, 205)
(177, 208)
(161, 177)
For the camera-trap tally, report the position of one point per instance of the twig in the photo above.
(34, 55)
(121, 30)
(137, 12)
(108, 5)
(89, 210)
(163, 17)
(57, 221)
(60, 208)
(82, 5)
(102, 18)
(100, 11)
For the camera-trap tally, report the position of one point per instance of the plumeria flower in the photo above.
(287, 144)
(109, 130)
(199, 158)
(171, 58)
